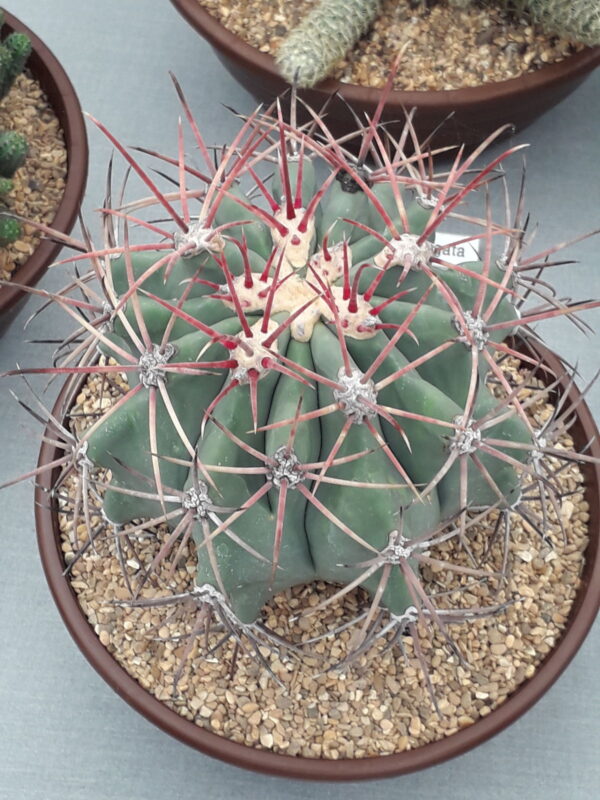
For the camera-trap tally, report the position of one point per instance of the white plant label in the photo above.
(456, 253)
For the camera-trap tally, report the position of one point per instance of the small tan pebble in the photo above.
(266, 739)
(495, 636)
(255, 718)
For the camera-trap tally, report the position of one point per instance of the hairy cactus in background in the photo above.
(308, 376)
(333, 27)
(324, 36)
(574, 19)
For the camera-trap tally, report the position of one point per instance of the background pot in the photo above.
(45, 68)
(477, 111)
(581, 617)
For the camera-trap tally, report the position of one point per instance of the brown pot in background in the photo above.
(476, 111)
(581, 617)
(53, 80)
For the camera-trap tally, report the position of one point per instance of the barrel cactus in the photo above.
(308, 375)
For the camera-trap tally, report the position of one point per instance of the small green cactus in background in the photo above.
(310, 380)
(324, 36)
(10, 229)
(13, 151)
(14, 52)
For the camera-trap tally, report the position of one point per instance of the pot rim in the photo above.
(57, 86)
(581, 618)
(256, 62)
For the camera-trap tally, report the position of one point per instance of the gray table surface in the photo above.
(63, 733)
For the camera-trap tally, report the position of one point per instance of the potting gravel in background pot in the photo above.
(466, 115)
(49, 183)
(301, 478)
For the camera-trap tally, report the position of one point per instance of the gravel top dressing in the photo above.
(39, 184)
(380, 704)
(448, 48)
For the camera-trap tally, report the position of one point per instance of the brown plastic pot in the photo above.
(583, 613)
(476, 111)
(53, 80)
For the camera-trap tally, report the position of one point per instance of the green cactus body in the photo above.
(14, 52)
(306, 393)
(10, 229)
(323, 37)
(13, 151)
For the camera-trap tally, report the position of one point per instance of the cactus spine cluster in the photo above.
(308, 376)
(14, 52)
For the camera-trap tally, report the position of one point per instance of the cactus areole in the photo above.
(314, 392)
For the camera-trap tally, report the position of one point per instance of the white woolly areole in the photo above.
(196, 499)
(396, 549)
(198, 239)
(467, 437)
(81, 459)
(409, 616)
(540, 445)
(286, 466)
(213, 597)
(151, 363)
(351, 398)
(250, 353)
(476, 326)
(427, 202)
(406, 252)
